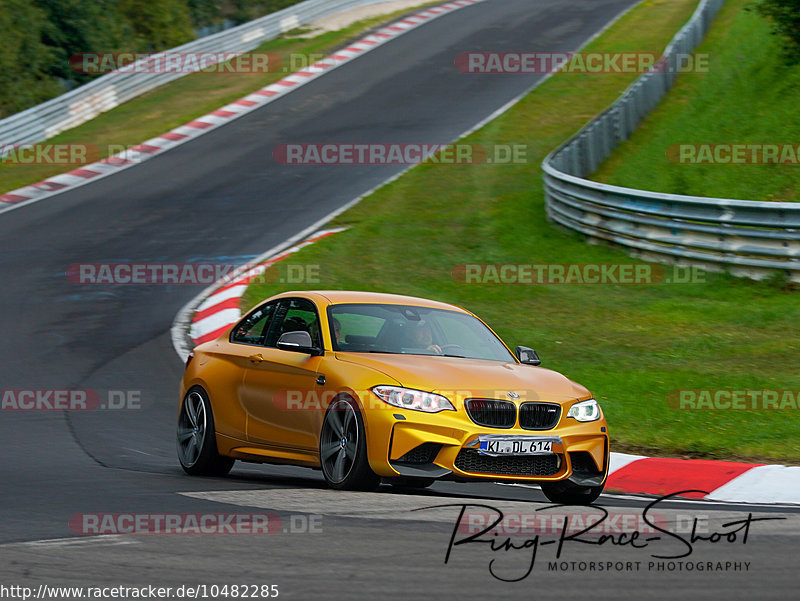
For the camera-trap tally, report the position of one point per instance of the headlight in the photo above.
(405, 398)
(585, 411)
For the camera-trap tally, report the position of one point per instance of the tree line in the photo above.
(39, 36)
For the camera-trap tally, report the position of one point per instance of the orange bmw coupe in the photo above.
(365, 386)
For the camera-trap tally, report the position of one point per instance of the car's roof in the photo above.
(335, 297)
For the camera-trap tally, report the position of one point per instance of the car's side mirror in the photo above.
(299, 342)
(528, 356)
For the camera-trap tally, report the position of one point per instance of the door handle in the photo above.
(257, 358)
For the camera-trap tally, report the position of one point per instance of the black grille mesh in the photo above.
(582, 463)
(469, 460)
(491, 413)
(424, 453)
(539, 416)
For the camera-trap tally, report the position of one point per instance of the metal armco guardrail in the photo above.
(748, 238)
(104, 93)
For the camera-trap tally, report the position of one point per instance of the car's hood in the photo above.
(464, 378)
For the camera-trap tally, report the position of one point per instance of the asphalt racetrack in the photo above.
(222, 198)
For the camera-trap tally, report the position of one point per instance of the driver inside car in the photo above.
(422, 337)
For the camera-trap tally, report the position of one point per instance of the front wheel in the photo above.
(343, 449)
(567, 493)
(197, 442)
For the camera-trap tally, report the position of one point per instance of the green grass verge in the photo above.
(185, 99)
(747, 96)
(630, 344)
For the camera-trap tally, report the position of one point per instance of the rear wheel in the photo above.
(343, 449)
(197, 443)
(567, 493)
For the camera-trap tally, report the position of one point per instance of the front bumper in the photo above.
(442, 445)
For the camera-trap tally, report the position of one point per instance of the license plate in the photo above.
(515, 445)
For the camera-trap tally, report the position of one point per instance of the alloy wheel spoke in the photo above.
(201, 416)
(191, 412)
(338, 467)
(350, 449)
(348, 421)
(329, 449)
(194, 449)
(336, 423)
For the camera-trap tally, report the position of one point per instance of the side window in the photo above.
(252, 329)
(296, 315)
(353, 331)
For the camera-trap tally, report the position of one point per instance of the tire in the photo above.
(403, 482)
(196, 437)
(567, 493)
(343, 448)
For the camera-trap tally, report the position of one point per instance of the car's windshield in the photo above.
(411, 330)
